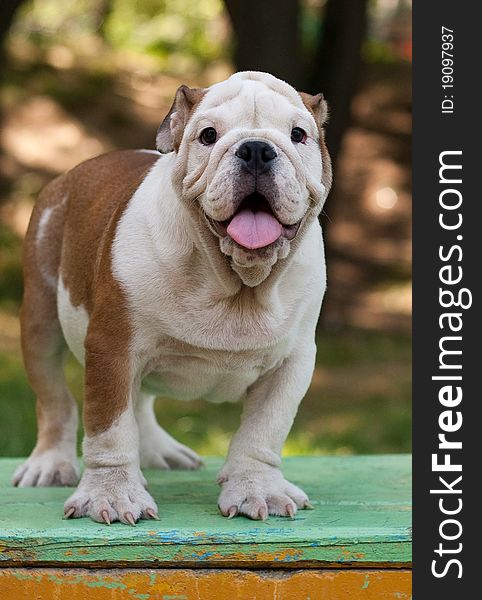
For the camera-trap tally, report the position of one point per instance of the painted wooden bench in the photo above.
(355, 544)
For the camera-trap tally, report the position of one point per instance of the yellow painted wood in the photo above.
(208, 584)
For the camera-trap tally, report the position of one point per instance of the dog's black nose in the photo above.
(256, 157)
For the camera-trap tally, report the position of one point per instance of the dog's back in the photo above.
(73, 215)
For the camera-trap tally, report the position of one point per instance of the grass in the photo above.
(10, 269)
(359, 402)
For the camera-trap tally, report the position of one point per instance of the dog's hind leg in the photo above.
(53, 460)
(158, 450)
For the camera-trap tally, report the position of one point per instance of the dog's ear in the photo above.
(169, 134)
(317, 106)
(319, 109)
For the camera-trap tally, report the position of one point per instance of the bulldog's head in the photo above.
(251, 160)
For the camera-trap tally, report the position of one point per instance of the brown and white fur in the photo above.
(126, 266)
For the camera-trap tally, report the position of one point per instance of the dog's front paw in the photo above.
(111, 494)
(258, 492)
(54, 467)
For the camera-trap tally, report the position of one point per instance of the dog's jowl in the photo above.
(193, 271)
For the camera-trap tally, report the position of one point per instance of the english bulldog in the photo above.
(193, 271)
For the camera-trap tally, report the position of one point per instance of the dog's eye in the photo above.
(208, 136)
(298, 135)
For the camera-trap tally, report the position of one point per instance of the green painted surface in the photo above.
(362, 515)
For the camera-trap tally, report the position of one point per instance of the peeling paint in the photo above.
(187, 584)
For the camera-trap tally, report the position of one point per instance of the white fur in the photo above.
(43, 222)
(45, 218)
(74, 321)
(112, 481)
(50, 278)
(148, 151)
(102, 449)
(191, 357)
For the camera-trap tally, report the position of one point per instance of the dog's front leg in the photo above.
(112, 487)
(251, 479)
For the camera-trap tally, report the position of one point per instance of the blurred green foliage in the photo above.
(10, 268)
(168, 28)
(181, 34)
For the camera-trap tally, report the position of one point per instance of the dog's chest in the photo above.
(184, 372)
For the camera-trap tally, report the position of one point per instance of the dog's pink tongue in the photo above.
(254, 229)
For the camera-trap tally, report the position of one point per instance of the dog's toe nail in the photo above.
(232, 512)
(152, 514)
(105, 516)
(69, 512)
(290, 510)
(263, 513)
(129, 517)
(308, 505)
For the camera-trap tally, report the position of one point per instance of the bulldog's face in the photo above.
(251, 158)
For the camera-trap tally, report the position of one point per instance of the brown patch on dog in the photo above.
(87, 204)
(171, 130)
(100, 192)
(319, 109)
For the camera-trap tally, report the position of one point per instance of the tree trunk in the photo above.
(335, 72)
(8, 10)
(337, 64)
(7, 15)
(267, 37)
